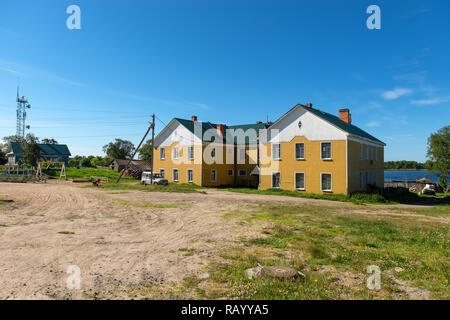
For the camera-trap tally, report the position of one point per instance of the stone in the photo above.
(281, 272)
(252, 273)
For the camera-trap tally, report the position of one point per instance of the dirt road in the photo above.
(117, 239)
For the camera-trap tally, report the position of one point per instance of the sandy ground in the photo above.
(114, 244)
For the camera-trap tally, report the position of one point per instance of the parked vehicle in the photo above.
(157, 179)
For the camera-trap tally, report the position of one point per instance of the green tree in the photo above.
(145, 152)
(120, 149)
(49, 141)
(6, 147)
(30, 150)
(3, 158)
(95, 162)
(439, 154)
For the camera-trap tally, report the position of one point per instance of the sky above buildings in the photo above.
(229, 62)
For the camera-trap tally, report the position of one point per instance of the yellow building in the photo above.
(307, 150)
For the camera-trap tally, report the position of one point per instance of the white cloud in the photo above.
(396, 93)
(430, 101)
(373, 124)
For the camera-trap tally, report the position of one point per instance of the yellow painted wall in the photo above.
(312, 166)
(220, 165)
(356, 166)
(183, 164)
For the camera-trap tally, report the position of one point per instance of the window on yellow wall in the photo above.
(276, 180)
(300, 180)
(190, 153)
(242, 154)
(230, 172)
(300, 151)
(367, 152)
(162, 153)
(326, 183)
(162, 172)
(325, 150)
(213, 175)
(361, 151)
(276, 151)
(175, 175)
(176, 153)
(190, 175)
(213, 153)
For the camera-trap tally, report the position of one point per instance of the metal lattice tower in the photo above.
(22, 105)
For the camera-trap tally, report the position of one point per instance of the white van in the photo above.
(157, 179)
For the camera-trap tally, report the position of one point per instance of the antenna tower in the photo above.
(22, 105)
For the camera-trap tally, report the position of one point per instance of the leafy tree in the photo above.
(120, 149)
(74, 163)
(30, 150)
(6, 147)
(145, 152)
(3, 158)
(49, 141)
(95, 162)
(439, 154)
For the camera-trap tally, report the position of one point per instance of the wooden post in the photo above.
(137, 149)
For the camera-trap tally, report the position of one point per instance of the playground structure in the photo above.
(15, 172)
(48, 164)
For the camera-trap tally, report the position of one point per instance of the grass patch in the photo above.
(333, 248)
(6, 201)
(187, 252)
(30, 214)
(77, 173)
(66, 232)
(357, 198)
(180, 188)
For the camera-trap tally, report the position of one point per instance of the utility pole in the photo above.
(22, 104)
(152, 126)
(153, 141)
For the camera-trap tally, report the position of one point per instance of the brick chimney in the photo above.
(309, 105)
(194, 118)
(344, 115)
(221, 130)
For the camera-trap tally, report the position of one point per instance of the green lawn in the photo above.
(357, 198)
(333, 247)
(182, 188)
(75, 173)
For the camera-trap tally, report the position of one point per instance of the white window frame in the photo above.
(273, 152)
(215, 175)
(164, 174)
(232, 172)
(321, 181)
(190, 152)
(173, 174)
(242, 175)
(331, 150)
(175, 153)
(295, 151)
(187, 175)
(162, 154)
(295, 181)
(271, 184)
(242, 152)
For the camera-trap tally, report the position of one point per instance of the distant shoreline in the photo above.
(406, 170)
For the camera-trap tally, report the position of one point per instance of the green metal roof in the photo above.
(354, 130)
(208, 125)
(46, 149)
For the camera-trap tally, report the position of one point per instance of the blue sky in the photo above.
(227, 62)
